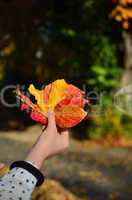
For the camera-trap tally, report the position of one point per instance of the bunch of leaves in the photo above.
(65, 99)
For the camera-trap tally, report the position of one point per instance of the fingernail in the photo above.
(50, 111)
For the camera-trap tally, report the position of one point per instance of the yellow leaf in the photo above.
(57, 92)
(38, 94)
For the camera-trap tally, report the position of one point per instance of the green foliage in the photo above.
(110, 122)
(105, 121)
(107, 124)
(104, 71)
(105, 78)
(104, 53)
(126, 121)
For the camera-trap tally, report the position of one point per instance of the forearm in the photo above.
(38, 153)
(50, 143)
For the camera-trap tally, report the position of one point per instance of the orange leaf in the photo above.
(69, 116)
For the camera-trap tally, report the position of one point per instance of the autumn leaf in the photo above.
(69, 116)
(57, 93)
(65, 99)
(122, 12)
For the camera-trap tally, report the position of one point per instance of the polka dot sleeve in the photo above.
(18, 184)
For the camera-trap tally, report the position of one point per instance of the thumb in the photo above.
(51, 118)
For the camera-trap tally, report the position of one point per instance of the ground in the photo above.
(94, 171)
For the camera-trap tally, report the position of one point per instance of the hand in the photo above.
(51, 142)
(56, 141)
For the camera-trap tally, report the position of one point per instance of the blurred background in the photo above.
(89, 44)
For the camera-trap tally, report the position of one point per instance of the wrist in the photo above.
(37, 156)
(31, 163)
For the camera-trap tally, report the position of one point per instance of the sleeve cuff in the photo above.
(30, 168)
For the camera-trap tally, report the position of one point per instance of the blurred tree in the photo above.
(45, 40)
(122, 12)
(49, 40)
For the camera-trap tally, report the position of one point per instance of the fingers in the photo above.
(65, 134)
(51, 119)
(65, 139)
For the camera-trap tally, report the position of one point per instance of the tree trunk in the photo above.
(127, 75)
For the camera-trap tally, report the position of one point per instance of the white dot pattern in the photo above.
(18, 184)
